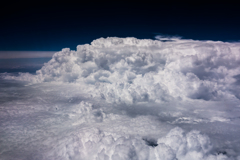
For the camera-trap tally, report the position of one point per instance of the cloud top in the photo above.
(130, 70)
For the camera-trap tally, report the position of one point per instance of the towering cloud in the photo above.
(130, 70)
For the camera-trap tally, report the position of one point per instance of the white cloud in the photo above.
(130, 70)
(125, 98)
(167, 38)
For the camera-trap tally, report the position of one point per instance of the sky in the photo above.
(51, 27)
(39, 30)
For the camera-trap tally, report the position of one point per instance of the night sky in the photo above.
(51, 27)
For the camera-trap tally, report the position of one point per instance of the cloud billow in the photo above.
(130, 70)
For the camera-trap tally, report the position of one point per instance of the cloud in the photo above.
(129, 70)
(126, 98)
(167, 37)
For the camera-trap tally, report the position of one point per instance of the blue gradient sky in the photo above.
(51, 27)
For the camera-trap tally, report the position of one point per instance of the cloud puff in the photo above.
(167, 38)
(129, 70)
(95, 144)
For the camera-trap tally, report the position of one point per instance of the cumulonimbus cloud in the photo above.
(130, 70)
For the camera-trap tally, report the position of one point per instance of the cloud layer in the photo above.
(125, 98)
(25, 54)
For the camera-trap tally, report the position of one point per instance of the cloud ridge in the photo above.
(130, 70)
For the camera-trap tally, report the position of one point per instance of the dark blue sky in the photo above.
(51, 27)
